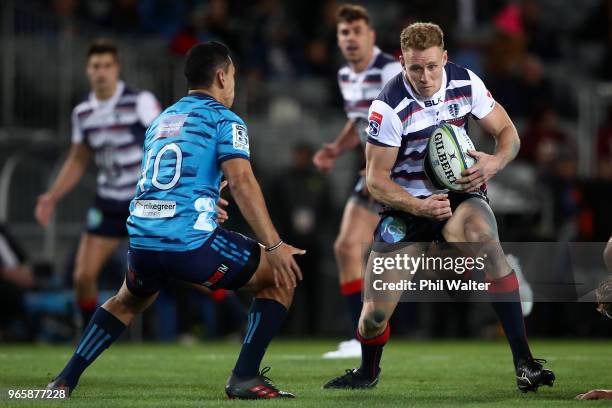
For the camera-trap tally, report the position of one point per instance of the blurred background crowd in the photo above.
(547, 62)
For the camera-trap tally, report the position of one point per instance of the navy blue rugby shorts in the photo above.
(226, 260)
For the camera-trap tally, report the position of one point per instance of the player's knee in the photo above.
(83, 278)
(126, 304)
(344, 248)
(373, 323)
(479, 232)
(284, 296)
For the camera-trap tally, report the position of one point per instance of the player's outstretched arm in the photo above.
(347, 139)
(71, 172)
(499, 125)
(247, 193)
(379, 161)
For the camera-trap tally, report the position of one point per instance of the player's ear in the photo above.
(221, 78)
(444, 57)
(402, 61)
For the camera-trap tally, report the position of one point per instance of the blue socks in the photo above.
(264, 320)
(103, 329)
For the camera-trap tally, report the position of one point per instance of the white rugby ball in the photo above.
(447, 156)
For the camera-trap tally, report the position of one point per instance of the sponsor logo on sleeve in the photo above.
(240, 137)
(374, 123)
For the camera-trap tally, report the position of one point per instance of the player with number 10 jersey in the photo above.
(174, 206)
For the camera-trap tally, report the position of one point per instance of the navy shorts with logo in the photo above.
(107, 218)
(398, 226)
(226, 260)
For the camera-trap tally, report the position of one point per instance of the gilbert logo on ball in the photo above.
(447, 156)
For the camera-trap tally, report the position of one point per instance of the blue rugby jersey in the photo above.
(174, 206)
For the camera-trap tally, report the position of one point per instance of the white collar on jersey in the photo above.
(438, 96)
(95, 102)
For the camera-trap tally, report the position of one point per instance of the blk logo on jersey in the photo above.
(433, 102)
(375, 120)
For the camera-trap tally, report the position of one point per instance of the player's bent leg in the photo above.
(373, 333)
(106, 325)
(356, 229)
(125, 305)
(266, 316)
(473, 221)
(93, 252)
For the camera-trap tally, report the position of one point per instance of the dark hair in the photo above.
(347, 13)
(102, 46)
(203, 60)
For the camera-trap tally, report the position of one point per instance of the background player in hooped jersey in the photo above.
(109, 126)
(174, 233)
(432, 90)
(360, 81)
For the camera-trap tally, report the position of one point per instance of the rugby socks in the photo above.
(352, 293)
(264, 321)
(87, 307)
(506, 302)
(103, 329)
(371, 352)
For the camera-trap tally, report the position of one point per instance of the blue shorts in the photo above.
(107, 218)
(226, 260)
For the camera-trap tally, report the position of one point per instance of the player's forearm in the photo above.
(508, 145)
(71, 172)
(347, 139)
(248, 196)
(386, 191)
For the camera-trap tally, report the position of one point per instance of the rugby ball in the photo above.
(446, 156)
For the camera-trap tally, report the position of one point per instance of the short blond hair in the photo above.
(421, 36)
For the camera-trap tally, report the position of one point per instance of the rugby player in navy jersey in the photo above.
(174, 232)
(432, 90)
(108, 127)
(366, 72)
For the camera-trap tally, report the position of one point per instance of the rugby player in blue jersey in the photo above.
(174, 232)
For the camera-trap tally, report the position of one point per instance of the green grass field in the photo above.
(415, 373)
